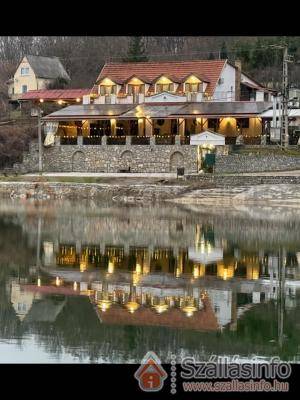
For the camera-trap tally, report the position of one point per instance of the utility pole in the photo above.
(285, 100)
(284, 125)
(40, 141)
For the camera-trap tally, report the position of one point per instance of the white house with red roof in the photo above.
(198, 80)
(135, 108)
(169, 98)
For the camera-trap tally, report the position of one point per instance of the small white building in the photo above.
(208, 138)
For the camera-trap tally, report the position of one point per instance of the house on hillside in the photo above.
(170, 98)
(35, 73)
(146, 112)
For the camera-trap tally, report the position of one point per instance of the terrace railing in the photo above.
(140, 140)
(68, 140)
(164, 140)
(92, 140)
(116, 140)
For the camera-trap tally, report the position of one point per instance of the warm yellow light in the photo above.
(111, 267)
(196, 271)
(75, 286)
(132, 306)
(160, 308)
(135, 81)
(41, 100)
(138, 268)
(83, 265)
(135, 278)
(189, 310)
(107, 82)
(78, 99)
(192, 79)
(104, 305)
(57, 281)
(164, 80)
(60, 102)
(39, 283)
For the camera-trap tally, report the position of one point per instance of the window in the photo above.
(24, 88)
(134, 89)
(192, 87)
(213, 123)
(164, 87)
(242, 123)
(25, 71)
(106, 90)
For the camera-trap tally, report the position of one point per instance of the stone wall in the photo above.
(111, 158)
(237, 163)
(243, 180)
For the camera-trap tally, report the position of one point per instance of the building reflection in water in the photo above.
(202, 286)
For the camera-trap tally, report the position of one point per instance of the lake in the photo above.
(98, 282)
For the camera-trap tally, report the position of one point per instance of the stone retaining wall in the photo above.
(242, 180)
(111, 158)
(127, 192)
(239, 163)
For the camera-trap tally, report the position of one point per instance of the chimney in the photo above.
(238, 71)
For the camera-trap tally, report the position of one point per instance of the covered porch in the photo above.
(164, 122)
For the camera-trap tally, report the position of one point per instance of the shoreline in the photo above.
(180, 191)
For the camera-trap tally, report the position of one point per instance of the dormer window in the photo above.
(107, 87)
(135, 86)
(192, 84)
(164, 84)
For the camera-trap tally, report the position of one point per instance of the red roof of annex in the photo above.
(55, 94)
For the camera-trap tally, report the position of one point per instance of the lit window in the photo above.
(25, 71)
(164, 87)
(134, 89)
(106, 90)
(192, 87)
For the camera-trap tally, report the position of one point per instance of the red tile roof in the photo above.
(55, 94)
(209, 70)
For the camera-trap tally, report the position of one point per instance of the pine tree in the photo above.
(136, 50)
(223, 51)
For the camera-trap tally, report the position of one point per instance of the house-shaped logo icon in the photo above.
(151, 374)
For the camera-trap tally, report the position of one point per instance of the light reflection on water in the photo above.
(88, 282)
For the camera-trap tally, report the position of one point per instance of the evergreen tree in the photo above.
(223, 51)
(136, 50)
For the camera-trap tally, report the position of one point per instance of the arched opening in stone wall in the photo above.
(176, 160)
(126, 160)
(78, 162)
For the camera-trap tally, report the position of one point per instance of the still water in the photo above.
(96, 282)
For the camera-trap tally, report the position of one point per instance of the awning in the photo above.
(206, 109)
(153, 111)
(217, 109)
(293, 113)
(89, 111)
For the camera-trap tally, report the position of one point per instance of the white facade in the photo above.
(209, 138)
(225, 89)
